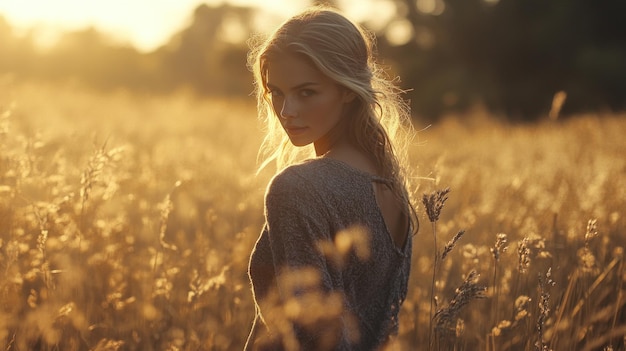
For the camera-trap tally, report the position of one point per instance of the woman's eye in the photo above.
(306, 92)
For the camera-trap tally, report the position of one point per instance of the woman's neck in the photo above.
(351, 155)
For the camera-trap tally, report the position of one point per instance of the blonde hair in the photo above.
(344, 52)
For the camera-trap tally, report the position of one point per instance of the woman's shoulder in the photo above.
(320, 173)
(296, 189)
(297, 178)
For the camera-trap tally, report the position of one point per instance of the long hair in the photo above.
(344, 52)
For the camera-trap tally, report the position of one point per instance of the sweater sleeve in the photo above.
(297, 223)
(297, 220)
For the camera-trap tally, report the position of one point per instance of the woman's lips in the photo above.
(295, 130)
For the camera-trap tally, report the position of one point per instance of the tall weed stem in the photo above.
(433, 203)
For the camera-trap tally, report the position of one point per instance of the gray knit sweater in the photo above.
(308, 204)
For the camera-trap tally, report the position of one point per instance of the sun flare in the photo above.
(146, 24)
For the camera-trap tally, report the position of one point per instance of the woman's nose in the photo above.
(289, 108)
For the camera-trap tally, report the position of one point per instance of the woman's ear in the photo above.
(348, 96)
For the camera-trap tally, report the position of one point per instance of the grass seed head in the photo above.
(587, 260)
(450, 245)
(468, 291)
(592, 231)
(500, 246)
(434, 202)
(523, 252)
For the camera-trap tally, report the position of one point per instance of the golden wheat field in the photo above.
(126, 223)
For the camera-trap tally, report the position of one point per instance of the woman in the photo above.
(330, 268)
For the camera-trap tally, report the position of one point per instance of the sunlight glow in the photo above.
(431, 7)
(146, 24)
(375, 13)
(399, 32)
(232, 30)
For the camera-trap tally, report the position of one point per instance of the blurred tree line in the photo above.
(512, 56)
(198, 58)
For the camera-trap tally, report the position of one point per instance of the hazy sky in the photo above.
(144, 23)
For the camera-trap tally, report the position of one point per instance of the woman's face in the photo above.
(308, 103)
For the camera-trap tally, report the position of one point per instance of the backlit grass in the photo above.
(126, 223)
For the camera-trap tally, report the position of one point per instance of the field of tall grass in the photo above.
(126, 223)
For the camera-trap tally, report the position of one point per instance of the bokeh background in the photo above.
(130, 199)
(510, 57)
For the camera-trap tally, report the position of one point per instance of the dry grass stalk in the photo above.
(446, 318)
(433, 204)
(596, 283)
(544, 309)
(523, 253)
(500, 246)
(611, 334)
(215, 222)
(352, 240)
(166, 208)
(618, 252)
(573, 279)
(557, 103)
(592, 231)
(450, 245)
(89, 179)
(42, 238)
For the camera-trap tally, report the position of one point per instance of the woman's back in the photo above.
(322, 202)
(395, 210)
